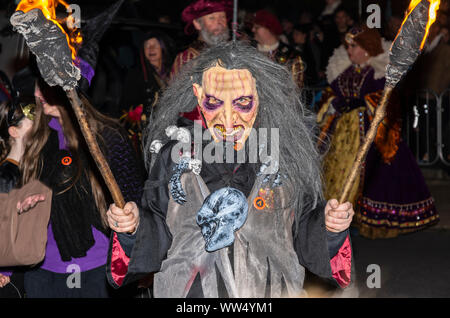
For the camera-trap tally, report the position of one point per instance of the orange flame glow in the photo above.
(434, 7)
(48, 7)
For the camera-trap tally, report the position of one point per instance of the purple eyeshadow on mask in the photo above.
(243, 108)
(211, 106)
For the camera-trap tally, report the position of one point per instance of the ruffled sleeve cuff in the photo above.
(341, 264)
(119, 261)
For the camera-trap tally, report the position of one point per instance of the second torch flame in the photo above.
(434, 7)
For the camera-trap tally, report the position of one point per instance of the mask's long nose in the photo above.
(229, 122)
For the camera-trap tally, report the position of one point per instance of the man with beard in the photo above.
(211, 227)
(208, 18)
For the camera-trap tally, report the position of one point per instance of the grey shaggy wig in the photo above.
(279, 107)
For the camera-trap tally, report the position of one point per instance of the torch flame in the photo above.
(48, 9)
(432, 13)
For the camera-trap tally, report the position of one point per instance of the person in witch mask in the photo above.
(236, 227)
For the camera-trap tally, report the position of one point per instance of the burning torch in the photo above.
(404, 51)
(55, 53)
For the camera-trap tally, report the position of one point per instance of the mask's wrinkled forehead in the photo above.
(218, 81)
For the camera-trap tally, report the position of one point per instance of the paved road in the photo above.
(413, 265)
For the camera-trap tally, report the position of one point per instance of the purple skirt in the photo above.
(395, 198)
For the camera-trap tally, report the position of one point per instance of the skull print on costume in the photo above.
(223, 212)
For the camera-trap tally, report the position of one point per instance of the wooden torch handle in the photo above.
(94, 149)
(380, 113)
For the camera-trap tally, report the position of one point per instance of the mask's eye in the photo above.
(212, 103)
(244, 103)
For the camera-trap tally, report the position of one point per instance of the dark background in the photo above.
(150, 9)
(119, 46)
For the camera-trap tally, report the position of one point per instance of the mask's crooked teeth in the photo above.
(235, 131)
(220, 129)
(223, 131)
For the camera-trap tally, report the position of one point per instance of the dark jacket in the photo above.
(73, 209)
(9, 176)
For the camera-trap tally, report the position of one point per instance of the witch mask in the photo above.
(229, 103)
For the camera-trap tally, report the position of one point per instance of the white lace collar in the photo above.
(339, 62)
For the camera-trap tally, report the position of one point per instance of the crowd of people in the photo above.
(154, 243)
(304, 43)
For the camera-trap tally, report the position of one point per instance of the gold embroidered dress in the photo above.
(390, 197)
